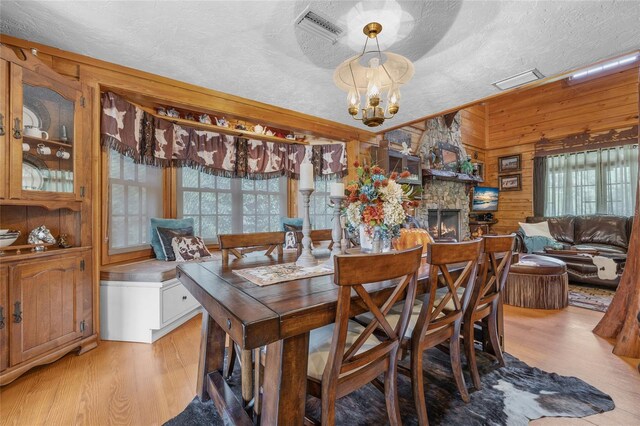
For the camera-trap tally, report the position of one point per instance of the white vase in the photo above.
(366, 241)
(370, 244)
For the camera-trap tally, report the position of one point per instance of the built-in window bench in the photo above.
(143, 301)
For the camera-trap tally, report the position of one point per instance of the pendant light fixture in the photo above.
(374, 74)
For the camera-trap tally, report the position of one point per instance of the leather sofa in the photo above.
(609, 235)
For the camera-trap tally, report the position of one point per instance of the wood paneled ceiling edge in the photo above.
(294, 120)
(518, 89)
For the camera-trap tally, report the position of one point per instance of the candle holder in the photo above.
(336, 232)
(306, 258)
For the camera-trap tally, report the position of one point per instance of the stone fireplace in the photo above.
(450, 197)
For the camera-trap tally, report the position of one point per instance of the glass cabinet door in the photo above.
(47, 140)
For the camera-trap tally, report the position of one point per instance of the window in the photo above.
(135, 195)
(208, 200)
(592, 182)
(222, 205)
(320, 210)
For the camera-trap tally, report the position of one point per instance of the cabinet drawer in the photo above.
(176, 301)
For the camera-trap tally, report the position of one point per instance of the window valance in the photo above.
(147, 139)
(587, 140)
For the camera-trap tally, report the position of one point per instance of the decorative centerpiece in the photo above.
(376, 206)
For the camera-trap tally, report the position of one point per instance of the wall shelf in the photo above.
(433, 174)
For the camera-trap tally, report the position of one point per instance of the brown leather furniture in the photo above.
(609, 235)
(539, 282)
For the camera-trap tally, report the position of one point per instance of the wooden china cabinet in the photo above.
(46, 297)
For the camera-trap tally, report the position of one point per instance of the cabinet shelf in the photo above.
(47, 204)
(48, 142)
(51, 251)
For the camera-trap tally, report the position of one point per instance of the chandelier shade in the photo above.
(400, 68)
(371, 76)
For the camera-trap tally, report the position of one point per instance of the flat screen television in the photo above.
(485, 199)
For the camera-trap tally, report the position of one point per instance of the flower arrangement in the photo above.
(378, 202)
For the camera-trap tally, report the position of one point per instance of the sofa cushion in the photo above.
(602, 248)
(562, 228)
(602, 229)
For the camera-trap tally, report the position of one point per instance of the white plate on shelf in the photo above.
(32, 177)
(30, 118)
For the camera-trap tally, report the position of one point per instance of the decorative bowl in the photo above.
(8, 237)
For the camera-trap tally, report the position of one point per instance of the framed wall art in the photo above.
(510, 163)
(510, 182)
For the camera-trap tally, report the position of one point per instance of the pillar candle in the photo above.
(337, 189)
(306, 176)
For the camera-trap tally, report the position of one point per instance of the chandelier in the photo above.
(372, 73)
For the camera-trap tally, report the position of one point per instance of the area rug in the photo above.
(590, 297)
(512, 395)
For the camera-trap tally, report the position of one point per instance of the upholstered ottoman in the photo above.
(539, 282)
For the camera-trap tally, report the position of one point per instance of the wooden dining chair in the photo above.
(440, 316)
(317, 236)
(485, 300)
(345, 356)
(239, 245)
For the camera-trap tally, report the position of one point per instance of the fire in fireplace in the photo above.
(444, 224)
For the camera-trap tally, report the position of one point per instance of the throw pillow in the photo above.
(290, 240)
(166, 236)
(165, 223)
(292, 221)
(537, 243)
(536, 229)
(189, 248)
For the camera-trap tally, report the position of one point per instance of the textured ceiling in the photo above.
(252, 49)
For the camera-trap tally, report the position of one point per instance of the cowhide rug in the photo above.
(512, 395)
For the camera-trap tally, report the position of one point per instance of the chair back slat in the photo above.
(367, 268)
(438, 313)
(239, 244)
(353, 272)
(498, 252)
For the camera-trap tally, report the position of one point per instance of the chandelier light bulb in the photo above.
(353, 99)
(393, 100)
(373, 88)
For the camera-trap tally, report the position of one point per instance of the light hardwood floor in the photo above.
(141, 384)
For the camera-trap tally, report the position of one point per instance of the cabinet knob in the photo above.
(184, 297)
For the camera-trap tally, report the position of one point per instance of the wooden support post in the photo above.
(621, 319)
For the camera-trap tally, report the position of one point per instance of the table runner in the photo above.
(273, 274)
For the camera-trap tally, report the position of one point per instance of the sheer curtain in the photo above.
(601, 181)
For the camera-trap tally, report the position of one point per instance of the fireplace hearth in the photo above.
(444, 224)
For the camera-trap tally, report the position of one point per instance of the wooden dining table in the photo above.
(279, 316)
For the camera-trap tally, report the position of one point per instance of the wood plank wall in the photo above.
(515, 122)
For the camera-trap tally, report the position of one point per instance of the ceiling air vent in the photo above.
(314, 23)
(519, 79)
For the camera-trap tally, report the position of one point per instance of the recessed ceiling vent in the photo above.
(314, 23)
(519, 79)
